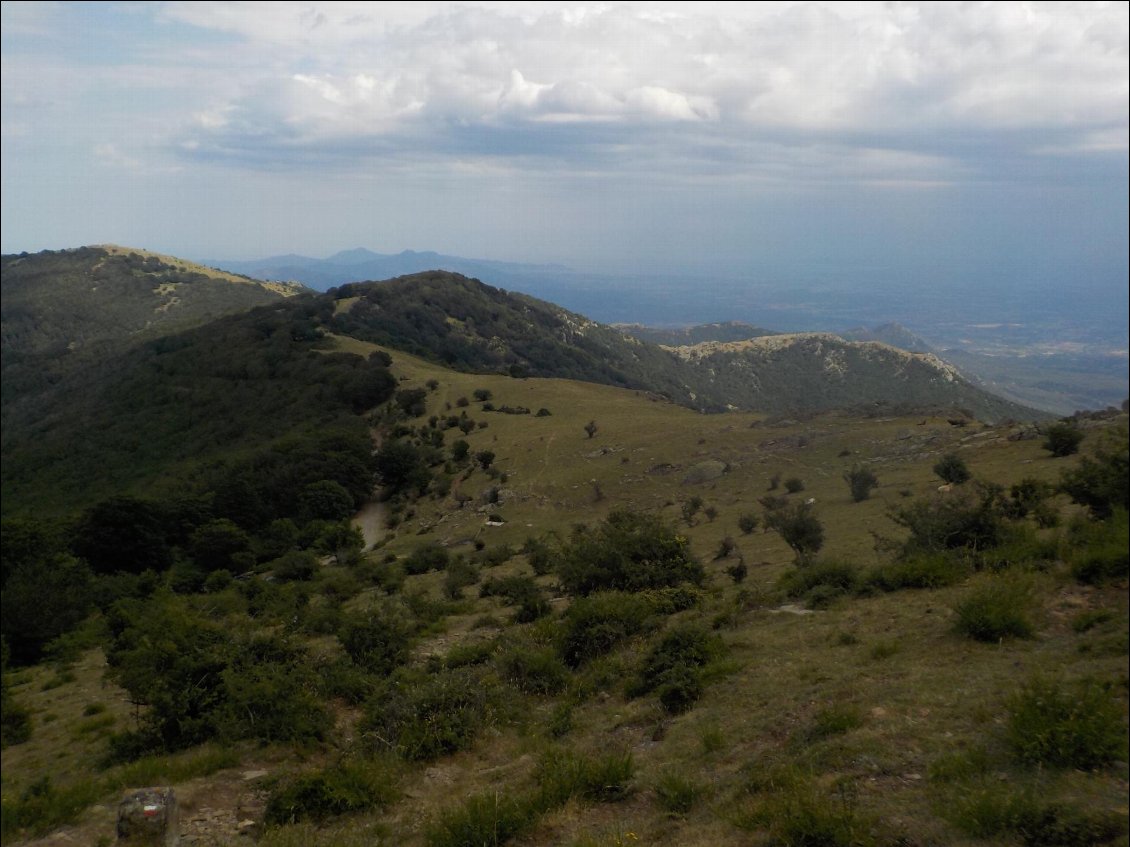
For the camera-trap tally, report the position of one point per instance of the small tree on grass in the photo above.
(952, 469)
(1062, 439)
(747, 523)
(591, 428)
(861, 481)
(799, 528)
(484, 458)
(690, 509)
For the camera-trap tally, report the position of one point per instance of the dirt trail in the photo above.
(371, 521)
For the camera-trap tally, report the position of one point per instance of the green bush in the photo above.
(433, 716)
(427, 557)
(922, 570)
(484, 820)
(595, 625)
(952, 470)
(996, 609)
(629, 551)
(969, 520)
(820, 583)
(351, 785)
(798, 527)
(1102, 482)
(459, 575)
(378, 639)
(796, 812)
(679, 689)
(1062, 439)
(860, 482)
(563, 775)
(534, 670)
(833, 720)
(677, 794)
(1072, 727)
(993, 810)
(1099, 551)
(673, 667)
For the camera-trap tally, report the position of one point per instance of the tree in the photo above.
(690, 509)
(799, 528)
(630, 551)
(1062, 439)
(325, 500)
(747, 523)
(969, 519)
(861, 481)
(123, 534)
(1101, 483)
(591, 428)
(214, 546)
(485, 458)
(952, 469)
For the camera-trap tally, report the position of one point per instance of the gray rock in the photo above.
(149, 817)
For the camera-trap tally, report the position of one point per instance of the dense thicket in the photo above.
(175, 405)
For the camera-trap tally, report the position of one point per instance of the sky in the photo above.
(975, 144)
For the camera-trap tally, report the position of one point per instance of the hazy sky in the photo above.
(904, 140)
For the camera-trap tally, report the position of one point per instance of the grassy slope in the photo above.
(920, 692)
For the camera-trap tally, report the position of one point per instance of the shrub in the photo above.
(970, 520)
(1062, 439)
(680, 689)
(539, 554)
(1102, 483)
(295, 566)
(433, 716)
(629, 551)
(1077, 727)
(533, 670)
(952, 470)
(922, 570)
(676, 793)
(481, 394)
(990, 810)
(994, 610)
(459, 575)
(377, 640)
(726, 548)
(795, 812)
(349, 786)
(860, 482)
(484, 820)
(595, 625)
(794, 484)
(563, 775)
(747, 523)
(683, 646)
(799, 528)
(834, 720)
(427, 557)
(1098, 551)
(820, 583)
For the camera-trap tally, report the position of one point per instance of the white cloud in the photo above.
(904, 71)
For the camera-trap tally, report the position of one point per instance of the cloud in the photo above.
(357, 80)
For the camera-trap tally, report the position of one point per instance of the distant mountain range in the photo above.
(360, 264)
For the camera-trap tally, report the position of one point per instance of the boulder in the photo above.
(148, 817)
